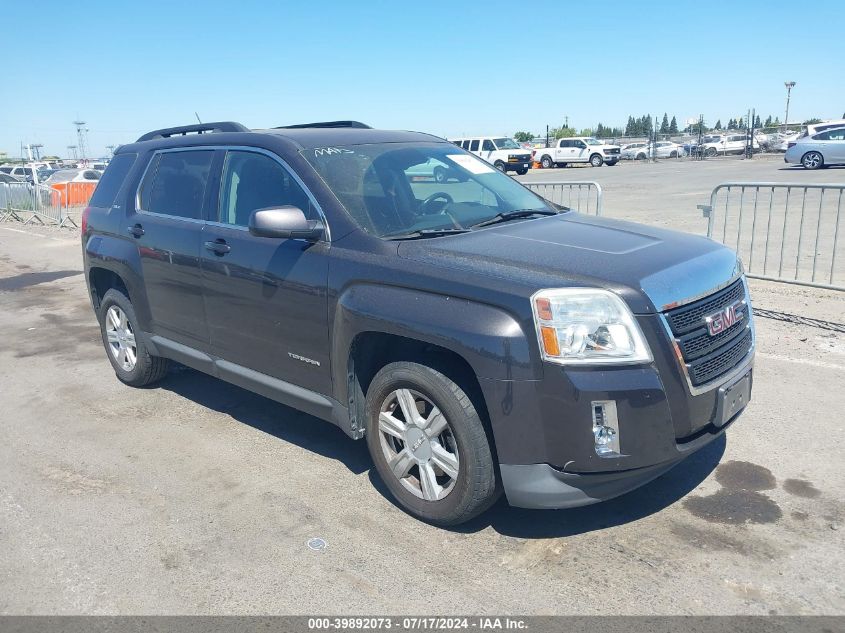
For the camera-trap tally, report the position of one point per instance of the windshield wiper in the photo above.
(512, 215)
(423, 233)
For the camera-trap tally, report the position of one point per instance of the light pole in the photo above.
(789, 86)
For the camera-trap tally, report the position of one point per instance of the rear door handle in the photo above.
(136, 230)
(218, 247)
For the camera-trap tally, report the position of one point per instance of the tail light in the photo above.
(84, 223)
(791, 144)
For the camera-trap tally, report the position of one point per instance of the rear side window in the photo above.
(110, 183)
(175, 183)
(473, 146)
(488, 146)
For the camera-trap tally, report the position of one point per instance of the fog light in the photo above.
(605, 428)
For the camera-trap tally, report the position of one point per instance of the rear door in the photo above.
(488, 150)
(166, 222)
(266, 297)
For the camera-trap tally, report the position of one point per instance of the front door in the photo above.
(265, 297)
(167, 227)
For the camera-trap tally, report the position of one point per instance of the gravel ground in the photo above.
(198, 497)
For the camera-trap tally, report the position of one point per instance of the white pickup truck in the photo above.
(583, 149)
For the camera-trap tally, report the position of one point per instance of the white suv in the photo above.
(583, 149)
(728, 144)
(505, 154)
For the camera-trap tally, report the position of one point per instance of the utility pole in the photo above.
(72, 150)
(111, 149)
(80, 137)
(37, 148)
(789, 86)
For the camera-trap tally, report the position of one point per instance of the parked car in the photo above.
(578, 150)
(478, 337)
(820, 150)
(728, 144)
(25, 173)
(4, 177)
(661, 149)
(632, 151)
(433, 169)
(73, 175)
(503, 153)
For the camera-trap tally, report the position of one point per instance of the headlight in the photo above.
(587, 326)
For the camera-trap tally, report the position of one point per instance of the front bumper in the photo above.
(518, 166)
(543, 428)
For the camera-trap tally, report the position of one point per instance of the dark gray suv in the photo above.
(480, 338)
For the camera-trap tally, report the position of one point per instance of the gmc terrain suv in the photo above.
(480, 338)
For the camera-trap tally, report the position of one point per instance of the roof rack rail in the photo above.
(326, 124)
(201, 128)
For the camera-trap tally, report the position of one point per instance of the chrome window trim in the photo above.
(737, 371)
(226, 148)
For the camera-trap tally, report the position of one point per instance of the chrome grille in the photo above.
(707, 357)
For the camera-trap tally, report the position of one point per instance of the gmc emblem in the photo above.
(724, 319)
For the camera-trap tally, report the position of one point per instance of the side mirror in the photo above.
(286, 222)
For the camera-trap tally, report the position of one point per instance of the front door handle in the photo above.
(218, 247)
(136, 230)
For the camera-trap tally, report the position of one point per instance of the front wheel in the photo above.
(131, 360)
(547, 162)
(596, 160)
(429, 445)
(521, 172)
(812, 160)
(711, 152)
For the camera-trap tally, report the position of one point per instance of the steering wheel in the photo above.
(439, 195)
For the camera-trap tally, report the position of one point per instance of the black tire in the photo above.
(500, 166)
(641, 156)
(522, 172)
(673, 154)
(711, 152)
(440, 175)
(546, 162)
(812, 160)
(147, 368)
(612, 163)
(561, 164)
(476, 488)
(596, 160)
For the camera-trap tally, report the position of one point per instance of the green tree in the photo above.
(664, 125)
(587, 131)
(718, 125)
(731, 124)
(757, 121)
(562, 132)
(523, 137)
(812, 121)
(673, 126)
(768, 122)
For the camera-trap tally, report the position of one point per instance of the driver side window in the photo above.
(255, 181)
(488, 146)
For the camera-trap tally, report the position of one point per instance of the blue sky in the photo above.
(441, 66)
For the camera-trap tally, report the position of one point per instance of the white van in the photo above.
(505, 154)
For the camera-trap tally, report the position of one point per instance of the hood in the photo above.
(651, 268)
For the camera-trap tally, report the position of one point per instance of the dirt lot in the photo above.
(198, 497)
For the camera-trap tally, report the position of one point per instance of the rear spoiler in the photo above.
(326, 124)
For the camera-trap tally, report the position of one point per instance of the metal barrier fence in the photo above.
(786, 232)
(587, 195)
(28, 203)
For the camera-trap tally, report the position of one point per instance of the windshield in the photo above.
(592, 141)
(398, 188)
(64, 175)
(506, 143)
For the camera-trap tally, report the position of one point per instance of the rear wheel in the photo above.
(440, 175)
(125, 346)
(429, 444)
(812, 160)
(673, 154)
(596, 160)
(711, 152)
(547, 162)
(500, 166)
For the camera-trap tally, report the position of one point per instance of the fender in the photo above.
(490, 339)
(122, 258)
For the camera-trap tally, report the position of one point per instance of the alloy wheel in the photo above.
(418, 444)
(812, 160)
(121, 338)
